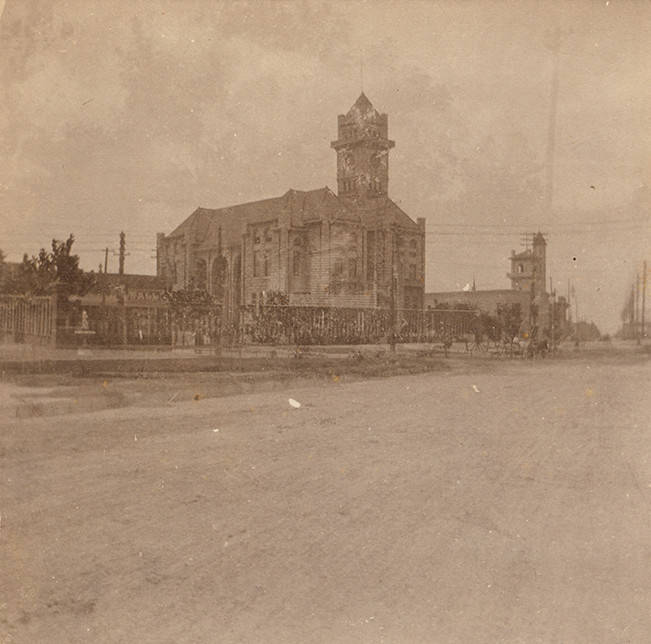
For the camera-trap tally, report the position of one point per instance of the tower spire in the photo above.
(362, 150)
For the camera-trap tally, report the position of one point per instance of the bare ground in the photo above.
(509, 503)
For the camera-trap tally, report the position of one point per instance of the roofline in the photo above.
(490, 290)
(256, 201)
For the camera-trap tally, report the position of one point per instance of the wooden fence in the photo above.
(28, 319)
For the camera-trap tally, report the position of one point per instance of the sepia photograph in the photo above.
(325, 322)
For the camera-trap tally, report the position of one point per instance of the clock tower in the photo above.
(362, 151)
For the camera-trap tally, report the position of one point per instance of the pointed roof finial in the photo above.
(361, 73)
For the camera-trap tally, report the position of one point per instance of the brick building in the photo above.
(355, 247)
(528, 280)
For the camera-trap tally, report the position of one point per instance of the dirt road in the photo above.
(512, 506)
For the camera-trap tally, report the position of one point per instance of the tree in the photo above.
(510, 316)
(55, 271)
(3, 272)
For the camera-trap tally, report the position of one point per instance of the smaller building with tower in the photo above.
(528, 268)
(528, 275)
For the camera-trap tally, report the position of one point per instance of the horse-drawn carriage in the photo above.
(488, 336)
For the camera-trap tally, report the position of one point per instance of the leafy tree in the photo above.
(55, 271)
(510, 316)
(3, 272)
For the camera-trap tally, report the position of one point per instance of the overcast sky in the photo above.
(127, 115)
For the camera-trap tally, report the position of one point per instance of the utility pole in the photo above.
(106, 250)
(643, 297)
(632, 313)
(554, 45)
(123, 246)
(393, 289)
(637, 306)
(553, 298)
(576, 313)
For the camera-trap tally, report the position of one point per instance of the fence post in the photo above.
(124, 322)
(53, 320)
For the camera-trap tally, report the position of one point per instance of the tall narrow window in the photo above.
(352, 268)
(370, 255)
(256, 263)
(266, 265)
(297, 263)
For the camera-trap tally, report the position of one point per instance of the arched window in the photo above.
(520, 268)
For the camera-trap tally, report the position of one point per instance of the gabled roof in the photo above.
(398, 215)
(313, 205)
(383, 209)
(300, 206)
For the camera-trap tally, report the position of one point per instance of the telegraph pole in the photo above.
(554, 45)
(393, 289)
(553, 298)
(632, 313)
(106, 250)
(643, 297)
(123, 246)
(637, 306)
(576, 313)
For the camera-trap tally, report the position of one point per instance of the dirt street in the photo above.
(508, 505)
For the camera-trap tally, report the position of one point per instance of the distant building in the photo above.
(528, 268)
(129, 287)
(528, 279)
(355, 247)
(487, 301)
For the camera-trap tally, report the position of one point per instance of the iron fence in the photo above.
(306, 325)
(149, 323)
